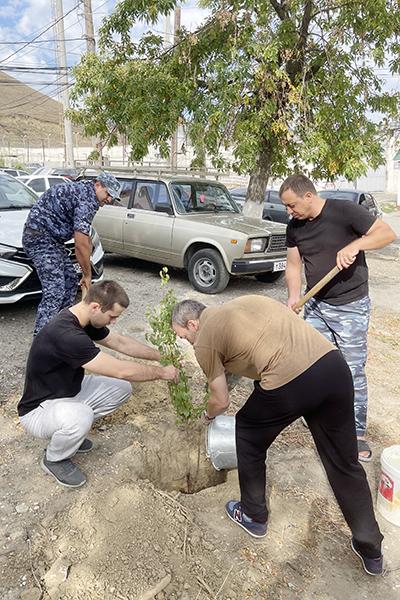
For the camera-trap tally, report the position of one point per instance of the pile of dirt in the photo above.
(133, 534)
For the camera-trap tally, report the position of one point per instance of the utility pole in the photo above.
(61, 55)
(90, 41)
(91, 49)
(174, 140)
(167, 31)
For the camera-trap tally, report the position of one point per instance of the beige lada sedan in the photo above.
(193, 224)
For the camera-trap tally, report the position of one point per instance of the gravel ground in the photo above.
(121, 535)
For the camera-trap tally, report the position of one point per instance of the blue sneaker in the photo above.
(372, 566)
(235, 512)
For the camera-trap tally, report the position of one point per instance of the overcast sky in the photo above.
(21, 21)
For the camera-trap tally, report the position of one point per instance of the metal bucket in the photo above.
(221, 444)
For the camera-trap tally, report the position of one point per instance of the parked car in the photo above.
(31, 167)
(68, 172)
(40, 184)
(364, 199)
(18, 278)
(13, 172)
(192, 224)
(273, 209)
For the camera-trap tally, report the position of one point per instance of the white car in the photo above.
(41, 183)
(18, 278)
(13, 172)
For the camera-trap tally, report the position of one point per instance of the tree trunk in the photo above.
(254, 204)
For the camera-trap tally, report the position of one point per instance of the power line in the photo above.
(50, 95)
(54, 83)
(39, 41)
(31, 69)
(22, 83)
(35, 41)
(40, 34)
(44, 41)
(40, 101)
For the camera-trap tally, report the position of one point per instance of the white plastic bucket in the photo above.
(388, 502)
(221, 443)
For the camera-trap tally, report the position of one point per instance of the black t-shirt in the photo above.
(319, 240)
(54, 368)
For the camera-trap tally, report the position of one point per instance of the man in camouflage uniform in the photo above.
(320, 234)
(62, 212)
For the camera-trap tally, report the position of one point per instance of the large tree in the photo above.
(287, 85)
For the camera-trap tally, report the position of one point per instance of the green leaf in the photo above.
(283, 87)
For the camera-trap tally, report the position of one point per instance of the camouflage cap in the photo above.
(111, 184)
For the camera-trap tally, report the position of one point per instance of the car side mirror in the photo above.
(164, 208)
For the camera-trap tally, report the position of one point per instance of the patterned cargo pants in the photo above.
(56, 273)
(346, 326)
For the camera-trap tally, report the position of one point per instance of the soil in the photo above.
(132, 533)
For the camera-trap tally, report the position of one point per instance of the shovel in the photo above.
(318, 286)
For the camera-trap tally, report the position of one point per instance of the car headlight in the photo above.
(95, 237)
(255, 245)
(7, 251)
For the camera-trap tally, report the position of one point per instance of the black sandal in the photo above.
(363, 446)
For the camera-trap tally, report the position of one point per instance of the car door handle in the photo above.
(131, 215)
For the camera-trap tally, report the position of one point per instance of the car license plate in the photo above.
(279, 265)
(77, 268)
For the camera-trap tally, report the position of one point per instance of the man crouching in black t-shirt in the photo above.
(60, 402)
(323, 233)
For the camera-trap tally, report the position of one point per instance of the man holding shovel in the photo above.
(320, 234)
(296, 372)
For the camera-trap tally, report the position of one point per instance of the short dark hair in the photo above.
(107, 293)
(299, 184)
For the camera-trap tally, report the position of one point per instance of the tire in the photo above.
(269, 277)
(207, 272)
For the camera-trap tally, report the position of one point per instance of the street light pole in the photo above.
(62, 65)
(90, 41)
(24, 138)
(174, 139)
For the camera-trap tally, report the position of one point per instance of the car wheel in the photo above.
(207, 272)
(269, 277)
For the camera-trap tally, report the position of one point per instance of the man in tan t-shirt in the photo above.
(296, 372)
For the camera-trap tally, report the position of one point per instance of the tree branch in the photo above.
(333, 8)
(280, 9)
(304, 25)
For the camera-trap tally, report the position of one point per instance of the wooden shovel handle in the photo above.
(318, 286)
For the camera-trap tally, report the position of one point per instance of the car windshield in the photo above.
(339, 195)
(199, 196)
(14, 194)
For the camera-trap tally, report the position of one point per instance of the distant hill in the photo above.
(26, 112)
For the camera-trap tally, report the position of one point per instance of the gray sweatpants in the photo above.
(66, 421)
(346, 326)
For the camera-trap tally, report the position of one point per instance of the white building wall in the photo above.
(386, 178)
